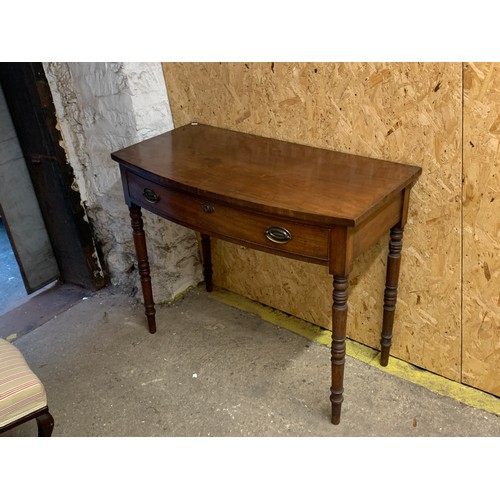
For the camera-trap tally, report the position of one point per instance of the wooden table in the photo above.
(296, 201)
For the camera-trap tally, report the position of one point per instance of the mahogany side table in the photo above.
(292, 200)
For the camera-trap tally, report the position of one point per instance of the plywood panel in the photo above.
(481, 285)
(401, 112)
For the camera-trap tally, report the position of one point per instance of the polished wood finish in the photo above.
(391, 291)
(143, 263)
(309, 243)
(291, 200)
(339, 322)
(267, 175)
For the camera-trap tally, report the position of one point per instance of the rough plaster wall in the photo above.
(405, 112)
(103, 107)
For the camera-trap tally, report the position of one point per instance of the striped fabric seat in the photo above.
(21, 391)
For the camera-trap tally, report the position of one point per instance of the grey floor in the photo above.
(214, 370)
(21, 312)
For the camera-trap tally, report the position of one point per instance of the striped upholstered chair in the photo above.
(22, 395)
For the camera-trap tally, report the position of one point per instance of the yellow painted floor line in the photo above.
(435, 383)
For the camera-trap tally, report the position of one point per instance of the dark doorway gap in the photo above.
(32, 110)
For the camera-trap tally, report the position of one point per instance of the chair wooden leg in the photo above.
(45, 423)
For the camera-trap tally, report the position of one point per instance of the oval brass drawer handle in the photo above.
(150, 196)
(278, 234)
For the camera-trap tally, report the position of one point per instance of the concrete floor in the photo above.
(215, 370)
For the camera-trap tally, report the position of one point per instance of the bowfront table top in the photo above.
(266, 174)
(296, 201)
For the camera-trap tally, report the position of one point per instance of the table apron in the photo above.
(306, 242)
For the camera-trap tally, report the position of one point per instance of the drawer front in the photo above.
(234, 224)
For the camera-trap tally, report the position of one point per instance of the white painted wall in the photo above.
(103, 107)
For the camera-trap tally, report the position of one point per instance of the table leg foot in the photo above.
(339, 322)
(336, 414)
(151, 322)
(207, 261)
(143, 264)
(391, 292)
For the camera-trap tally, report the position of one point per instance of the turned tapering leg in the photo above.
(339, 322)
(45, 424)
(207, 261)
(143, 263)
(391, 291)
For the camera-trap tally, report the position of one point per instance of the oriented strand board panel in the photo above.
(481, 284)
(398, 111)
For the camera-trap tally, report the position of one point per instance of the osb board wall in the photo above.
(481, 286)
(402, 112)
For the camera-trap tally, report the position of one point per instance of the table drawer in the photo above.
(235, 224)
